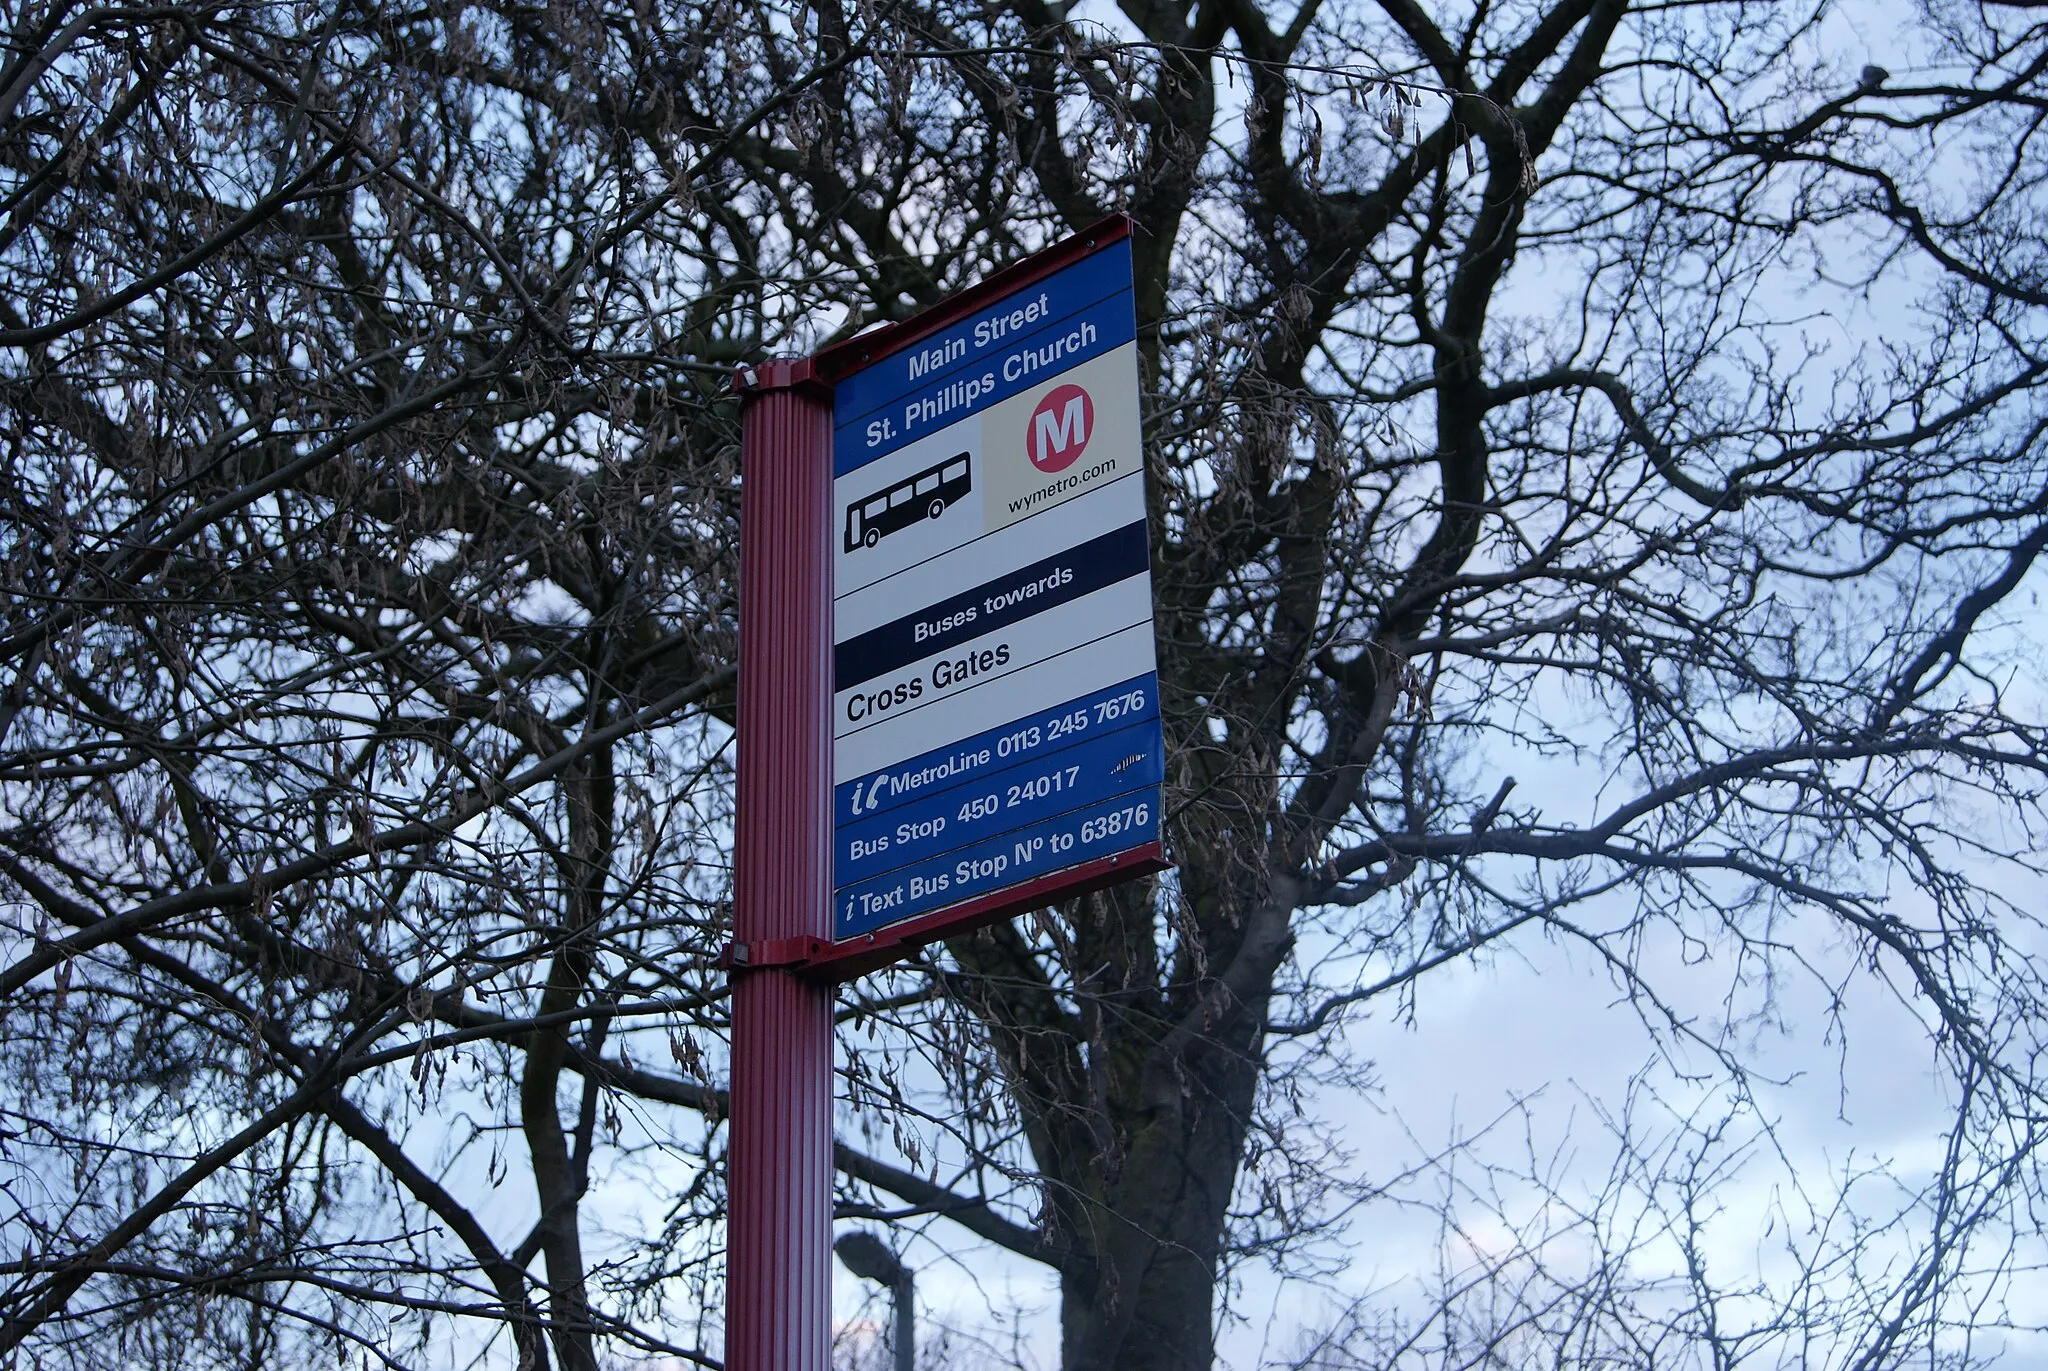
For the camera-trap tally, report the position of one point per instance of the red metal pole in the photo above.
(779, 1155)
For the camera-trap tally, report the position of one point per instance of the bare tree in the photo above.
(1651, 388)
(368, 616)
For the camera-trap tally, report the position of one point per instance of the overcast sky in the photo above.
(1539, 1021)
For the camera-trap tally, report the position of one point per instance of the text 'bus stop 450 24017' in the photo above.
(996, 698)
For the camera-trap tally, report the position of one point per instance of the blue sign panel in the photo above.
(1083, 766)
(996, 697)
(962, 873)
(1013, 345)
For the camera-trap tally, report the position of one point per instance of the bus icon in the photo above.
(923, 496)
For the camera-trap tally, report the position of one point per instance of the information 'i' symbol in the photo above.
(1059, 428)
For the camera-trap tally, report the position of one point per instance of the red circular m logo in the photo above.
(1059, 428)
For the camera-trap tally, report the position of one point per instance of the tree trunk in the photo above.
(561, 1171)
(1139, 1293)
(1137, 1113)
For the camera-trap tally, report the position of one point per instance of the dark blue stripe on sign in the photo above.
(950, 394)
(1114, 825)
(1080, 570)
(1035, 735)
(1106, 765)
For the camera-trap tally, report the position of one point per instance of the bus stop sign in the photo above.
(996, 727)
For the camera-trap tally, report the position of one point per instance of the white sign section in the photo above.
(995, 707)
